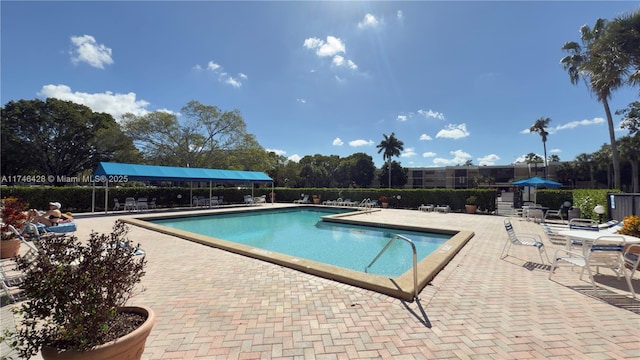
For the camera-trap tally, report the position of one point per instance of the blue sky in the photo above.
(455, 80)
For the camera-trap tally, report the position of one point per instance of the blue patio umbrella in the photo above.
(537, 182)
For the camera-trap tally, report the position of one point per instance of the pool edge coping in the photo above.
(400, 287)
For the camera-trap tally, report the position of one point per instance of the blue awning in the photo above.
(172, 173)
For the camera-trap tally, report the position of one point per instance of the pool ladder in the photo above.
(415, 261)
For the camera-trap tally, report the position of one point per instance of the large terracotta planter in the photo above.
(9, 248)
(128, 347)
(471, 209)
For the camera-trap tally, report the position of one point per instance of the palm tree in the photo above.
(596, 65)
(533, 158)
(630, 149)
(623, 39)
(540, 127)
(390, 146)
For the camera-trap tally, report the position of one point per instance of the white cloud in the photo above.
(301, 100)
(223, 76)
(278, 152)
(575, 124)
(459, 157)
(358, 143)
(408, 152)
(570, 125)
(294, 158)
(428, 154)
(331, 47)
(334, 48)
(213, 66)
(88, 51)
(399, 15)
(339, 61)
(488, 160)
(555, 151)
(453, 131)
(401, 118)
(107, 102)
(431, 114)
(233, 82)
(337, 142)
(368, 21)
(425, 137)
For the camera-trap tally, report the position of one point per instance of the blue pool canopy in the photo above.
(172, 173)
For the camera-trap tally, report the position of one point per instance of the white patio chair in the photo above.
(130, 204)
(142, 204)
(606, 252)
(532, 240)
(553, 214)
(632, 258)
(116, 205)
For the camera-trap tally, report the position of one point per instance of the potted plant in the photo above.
(14, 214)
(471, 204)
(630, 226)
(316, 199)
(384, 201)
(76, 293)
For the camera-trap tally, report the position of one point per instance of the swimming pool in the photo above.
(404, 286)
(302, 233)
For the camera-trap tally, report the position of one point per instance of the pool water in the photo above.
(302, 233)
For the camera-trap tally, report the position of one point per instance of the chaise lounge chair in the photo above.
(304, 200)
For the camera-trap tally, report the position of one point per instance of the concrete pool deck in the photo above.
(212, 304)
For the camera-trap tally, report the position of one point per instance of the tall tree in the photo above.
(361, 169)
(204, 137)
(540, 127)
(399, 176)
(535, 159)
(59, 138)
(390, 146)
(602, 75)
(630, 150)
(622, 40)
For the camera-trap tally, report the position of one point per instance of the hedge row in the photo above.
(80, 199)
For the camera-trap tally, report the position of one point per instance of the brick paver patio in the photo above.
(211, 304)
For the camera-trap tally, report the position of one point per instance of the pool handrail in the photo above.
(415, 261)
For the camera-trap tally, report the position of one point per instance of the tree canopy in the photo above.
(59, 138)
(205, 137)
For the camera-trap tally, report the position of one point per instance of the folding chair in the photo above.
(532, 240)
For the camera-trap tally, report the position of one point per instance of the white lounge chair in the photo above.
(304, 200)
(553, 214)
(532, 240)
